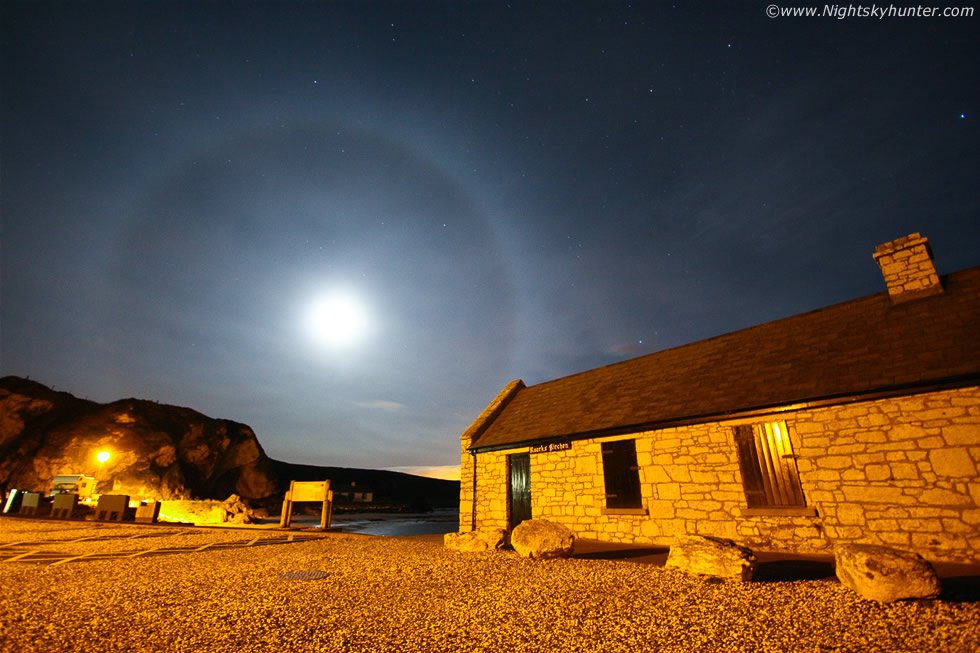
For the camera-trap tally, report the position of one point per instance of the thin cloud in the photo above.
(381, 404)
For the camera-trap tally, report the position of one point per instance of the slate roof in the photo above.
(862, 346)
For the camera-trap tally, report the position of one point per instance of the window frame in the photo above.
(621, 478)
(770, 476)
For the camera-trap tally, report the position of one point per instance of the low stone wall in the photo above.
(231, 510)
(197, 512)
(900, 472)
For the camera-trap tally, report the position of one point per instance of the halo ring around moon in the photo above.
(223, 246)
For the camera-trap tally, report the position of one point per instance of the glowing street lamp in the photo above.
(102, 457)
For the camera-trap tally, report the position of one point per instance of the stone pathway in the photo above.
(37, 551)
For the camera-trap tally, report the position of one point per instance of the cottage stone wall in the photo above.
(902, 472)
(467, 464)
(489, 508)
(491, 503)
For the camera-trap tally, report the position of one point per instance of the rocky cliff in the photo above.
(157, 451)
(167, 452)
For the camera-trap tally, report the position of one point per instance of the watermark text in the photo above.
(879, 12)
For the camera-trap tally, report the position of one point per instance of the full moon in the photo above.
(337, 319)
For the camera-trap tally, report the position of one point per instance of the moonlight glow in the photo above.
(338, 319)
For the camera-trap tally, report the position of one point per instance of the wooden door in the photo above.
(519, 488)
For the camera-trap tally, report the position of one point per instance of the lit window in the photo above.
(622, 474)
(769, 473)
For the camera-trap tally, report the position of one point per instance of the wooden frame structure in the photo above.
(308, 491)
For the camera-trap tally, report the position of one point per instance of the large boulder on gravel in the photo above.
(712, 556)
(539, 538)
(883, 574)
(475, 541)
(237, 511)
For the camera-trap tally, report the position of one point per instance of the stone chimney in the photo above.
(907, 266)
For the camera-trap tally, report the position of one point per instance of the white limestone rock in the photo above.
(883, 574)
(237, 511)
(539, 538)
(475, 541)
(712, 556)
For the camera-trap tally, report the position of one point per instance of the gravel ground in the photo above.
(387, 594)
(84, 537)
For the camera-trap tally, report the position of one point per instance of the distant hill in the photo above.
(167, 452)
(389, 488)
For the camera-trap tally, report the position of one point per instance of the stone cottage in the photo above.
(859, 422)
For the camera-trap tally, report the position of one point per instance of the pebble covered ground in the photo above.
(388, 594)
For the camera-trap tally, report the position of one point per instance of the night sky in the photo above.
(350, 224)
